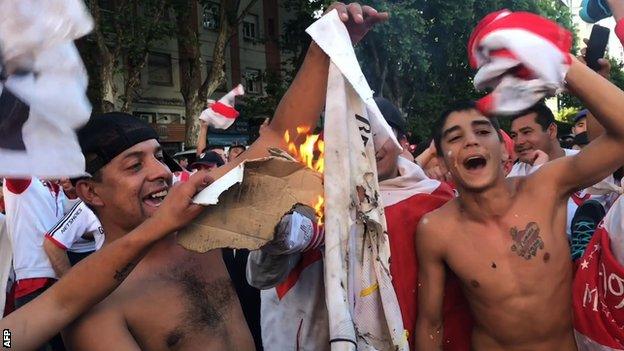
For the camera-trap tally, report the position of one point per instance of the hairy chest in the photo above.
(186, 304)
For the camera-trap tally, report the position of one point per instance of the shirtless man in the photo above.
(174, 298)
(505, 238)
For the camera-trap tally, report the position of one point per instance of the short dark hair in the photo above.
(544, 116)
(238, 146)
(457, 106)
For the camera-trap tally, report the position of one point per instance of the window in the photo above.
(250, 27)
(145, 116)
(159, 69)
(211, 15)
(253, 81)
(166, 118)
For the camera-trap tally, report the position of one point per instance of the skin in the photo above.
(183, 163)
(96, 276)
(175, 298)
(528, 136)
(617, 8)
(580, 126)
(234, 152)
(58, 258)
(505, 238)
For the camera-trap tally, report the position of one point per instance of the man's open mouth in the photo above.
(475, 163)
(156, 198)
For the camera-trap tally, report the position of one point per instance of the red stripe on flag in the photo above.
(224, 110)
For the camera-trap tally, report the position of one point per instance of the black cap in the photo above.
(209, 158)
(391, 114)
(108, 135)
(582, 114)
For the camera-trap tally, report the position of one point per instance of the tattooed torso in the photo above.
(516, 272)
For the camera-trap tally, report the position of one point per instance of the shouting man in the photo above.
(505, 238)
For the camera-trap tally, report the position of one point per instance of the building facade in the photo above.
(253, 50)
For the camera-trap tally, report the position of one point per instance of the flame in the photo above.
(319, 209)
(312, 154)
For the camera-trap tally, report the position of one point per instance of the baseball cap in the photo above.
(209, 158)
(107, 135)
(582, 114)
(391, 114)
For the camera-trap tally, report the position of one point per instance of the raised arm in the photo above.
(304, 100)
(99, 274)
(603, 155)
(431, 276)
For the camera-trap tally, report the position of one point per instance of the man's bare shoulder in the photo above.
(102, 322)
(435, 226)
(440, 217)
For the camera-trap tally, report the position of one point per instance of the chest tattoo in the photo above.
(526, 242)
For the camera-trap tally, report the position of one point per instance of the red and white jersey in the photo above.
(522, 169)
(293, 315)
(598, 288)
(32, 207)
(78, 231)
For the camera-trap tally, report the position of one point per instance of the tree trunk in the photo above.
(193, 108)
(107, 82)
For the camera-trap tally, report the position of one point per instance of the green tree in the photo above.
(195, 90)
(418, 59)
(125, 31)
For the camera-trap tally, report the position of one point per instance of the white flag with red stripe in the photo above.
(222, 114)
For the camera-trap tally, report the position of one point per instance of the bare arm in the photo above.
(431, 276)
(603, 155)
(304, 100)
(99, 274)
(202, 138)
(58, 257)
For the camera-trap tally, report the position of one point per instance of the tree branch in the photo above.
(245, 12)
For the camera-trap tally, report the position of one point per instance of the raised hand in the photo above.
(605, 65)
(358, 19)
(178, 209)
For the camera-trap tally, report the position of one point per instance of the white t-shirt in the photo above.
(78, 231)
(30, 212)
(522, 169)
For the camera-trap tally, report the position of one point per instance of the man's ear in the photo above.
(87, 191)
(504, 153)
(552, 131)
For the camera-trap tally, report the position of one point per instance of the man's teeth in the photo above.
(159, 195)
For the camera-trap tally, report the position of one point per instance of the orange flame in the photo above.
(319, 208)
(312, 154)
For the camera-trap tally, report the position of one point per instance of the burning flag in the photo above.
(363, 309)
(222, 114)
